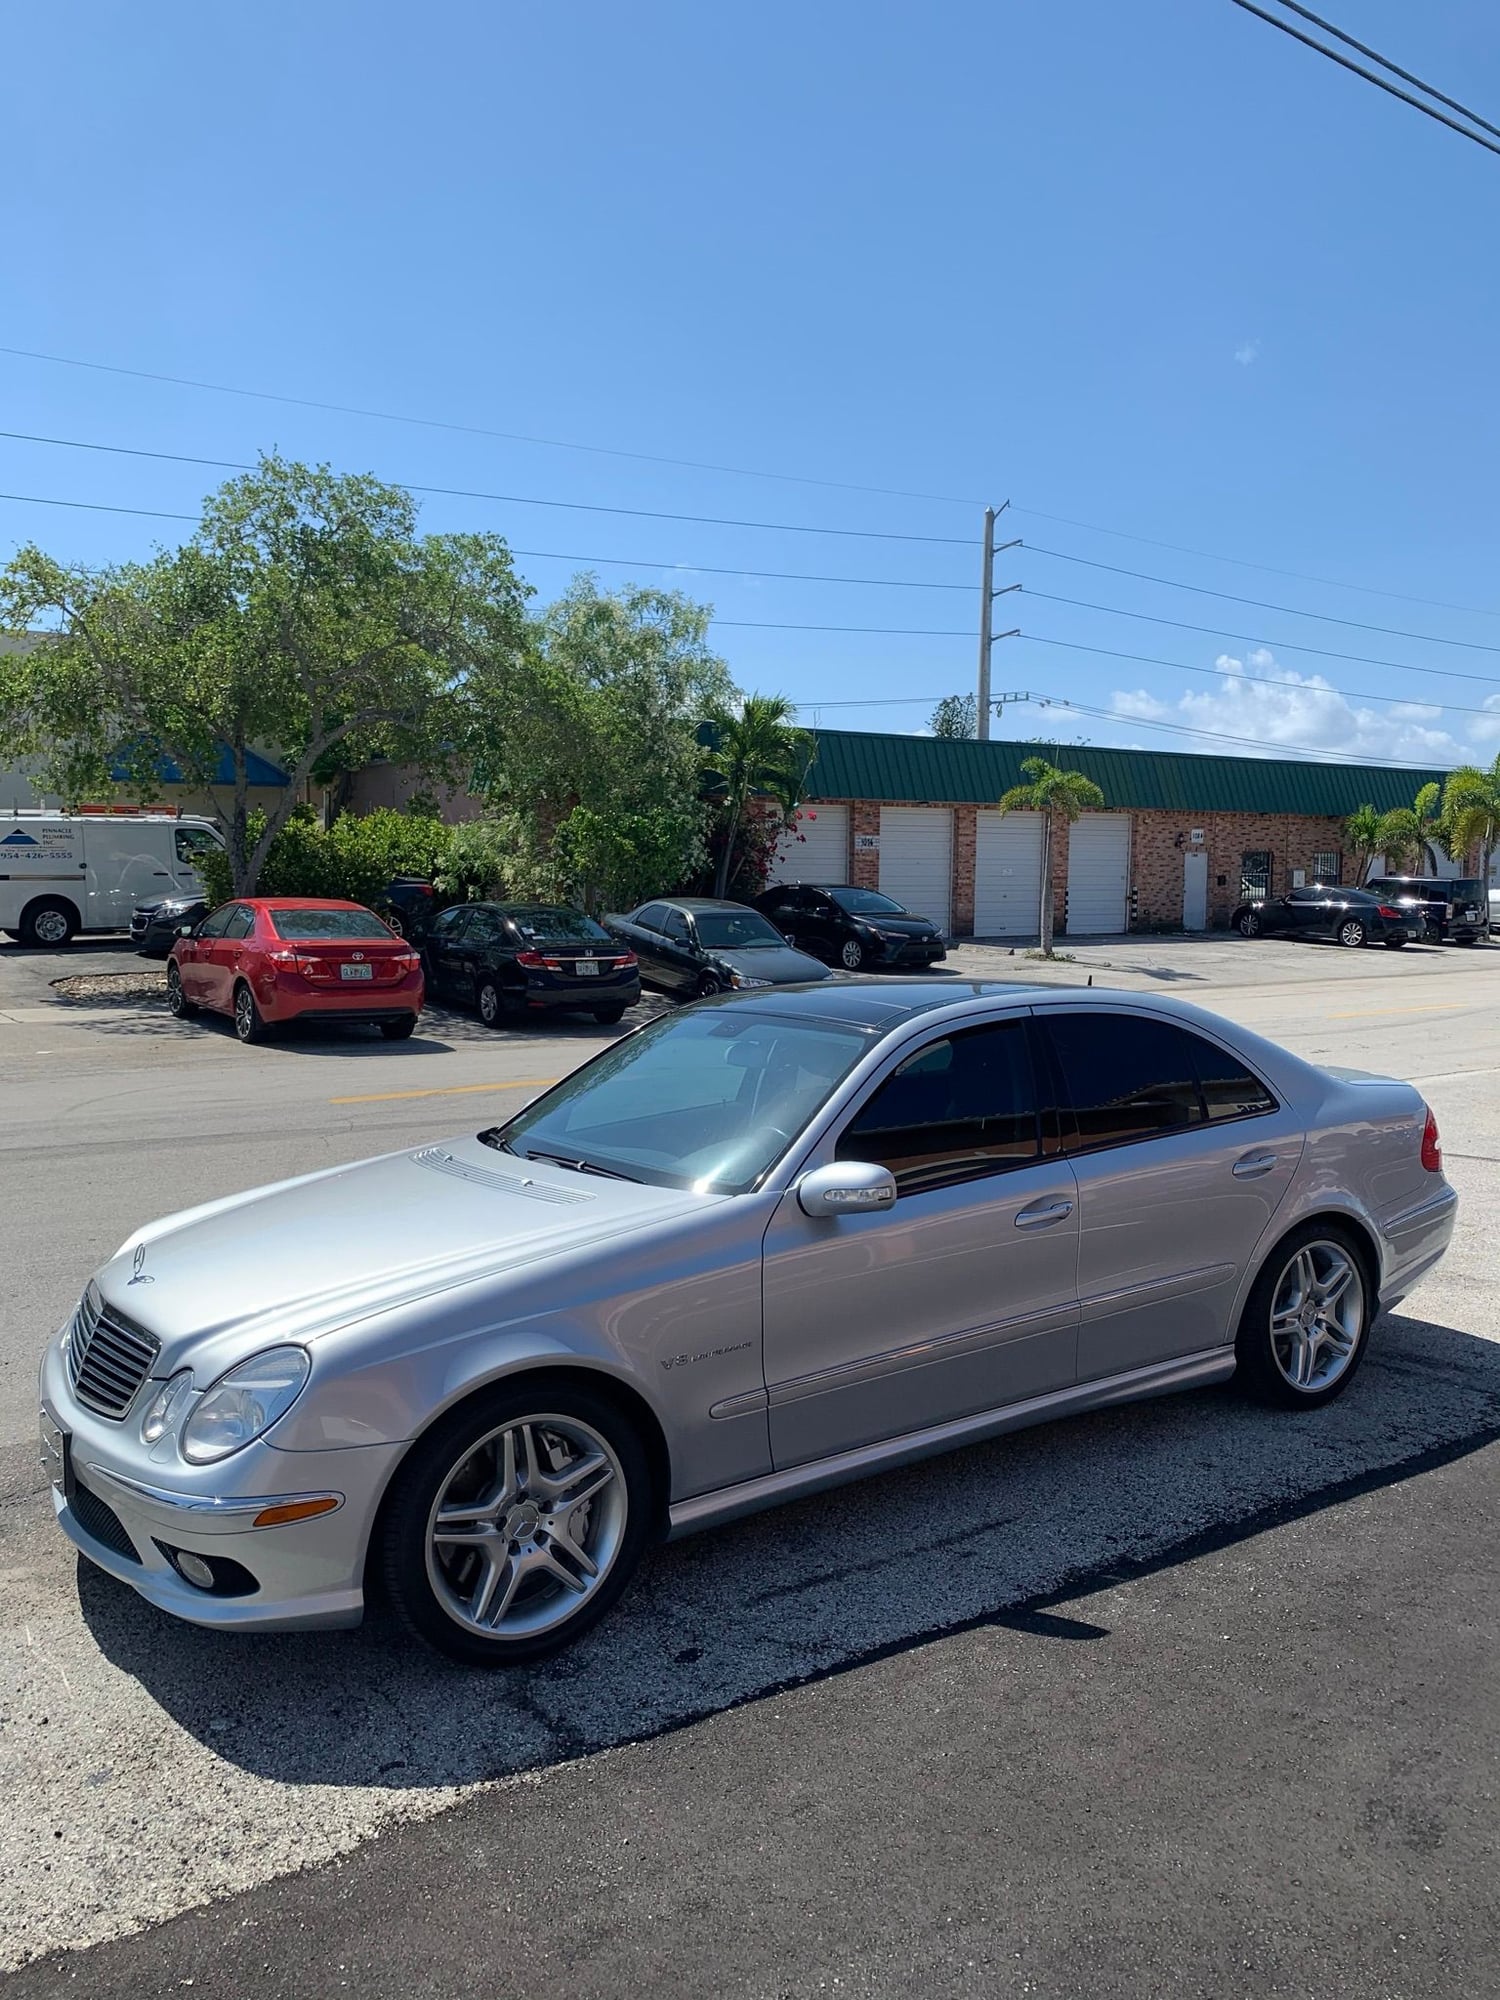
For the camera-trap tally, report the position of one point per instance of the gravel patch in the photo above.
(112, 987)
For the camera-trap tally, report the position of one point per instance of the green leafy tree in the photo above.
(586, 746)
(306, 617)
(758, 752)
(474, 866)
(955, 716)
(1400, 840)
(1055, 795)
(1471, 814)
(1362, 833)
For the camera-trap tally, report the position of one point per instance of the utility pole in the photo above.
(987, 633)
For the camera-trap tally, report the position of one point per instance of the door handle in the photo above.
(1052, 1211)
(1253, 1165)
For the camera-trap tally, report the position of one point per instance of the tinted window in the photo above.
(1129, 1077)
(241, 923)
(963, 1106)
(674, 926)
(557, 925)
(216, 925)
(450, 924)
(486, 927)
(652, 917)
(867, 902)
(307, 925)
(734, 930)
(192, 842)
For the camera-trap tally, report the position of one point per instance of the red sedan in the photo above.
(266, 960)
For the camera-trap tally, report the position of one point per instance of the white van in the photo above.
(61, 873)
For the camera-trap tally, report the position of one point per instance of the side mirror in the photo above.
(186, 930)
(788, 937)
(847, 1187)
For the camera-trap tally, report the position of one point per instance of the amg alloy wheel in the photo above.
(518, 1523)
(1305, 1324)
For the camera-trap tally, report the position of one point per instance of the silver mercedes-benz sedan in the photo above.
(773, 1242)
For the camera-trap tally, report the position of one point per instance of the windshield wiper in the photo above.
(495, 1136)
(580, 1166)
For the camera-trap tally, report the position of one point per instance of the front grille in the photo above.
(108, 1358)
(102, 1522)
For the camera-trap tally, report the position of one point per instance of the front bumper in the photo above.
(911, 951)
(127, 1495)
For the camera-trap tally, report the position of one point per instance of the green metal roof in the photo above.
(855, 764)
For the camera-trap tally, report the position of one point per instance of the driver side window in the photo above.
(216, 925)
(958, 1108)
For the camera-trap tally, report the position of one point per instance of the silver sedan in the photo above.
(771, 1243)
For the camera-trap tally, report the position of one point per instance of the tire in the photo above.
(399, 1031)
(1272, 1348)
(520, 1543)
(1395, 944)
(851, 954)
(1352, 933)
(249, 1023)
(392, 921)
(48, 923)
(709, 983)
(608, 1016)
(1249, 925)
(491, 1004)
(178, 1004)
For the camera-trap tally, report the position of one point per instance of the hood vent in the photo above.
(437, 1161)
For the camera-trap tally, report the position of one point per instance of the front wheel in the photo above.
(851, 954)
(1249, 924)
(516, 1523)
(1352, 933)
(48, 923)
(249, 1023)
(608, 1016)
(709, 983)
(1306, 1322)
(178, 1004)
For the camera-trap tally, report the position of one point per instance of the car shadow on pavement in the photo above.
(1001, 1533)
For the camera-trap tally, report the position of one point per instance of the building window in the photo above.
(1328, 866)
(1255, 875)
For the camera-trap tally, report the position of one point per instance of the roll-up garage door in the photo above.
(822, 853)
(916, 859)
(1007, 874)
(1098, 874)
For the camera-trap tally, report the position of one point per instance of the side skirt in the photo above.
(729, 1503)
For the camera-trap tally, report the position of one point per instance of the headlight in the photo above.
(166, 1406)
(742, 980)
(244, 1403)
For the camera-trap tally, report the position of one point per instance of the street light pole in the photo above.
(987, 634)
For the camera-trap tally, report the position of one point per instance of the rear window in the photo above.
(549, 925)
(309, 926)
(1466, 889)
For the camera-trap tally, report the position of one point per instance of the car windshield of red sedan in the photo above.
(706, 1099)
(308, 926)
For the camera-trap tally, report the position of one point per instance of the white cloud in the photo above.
(1274, 709)
(1246, 352)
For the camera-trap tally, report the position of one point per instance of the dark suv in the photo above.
(1458, 910)
(851, 927)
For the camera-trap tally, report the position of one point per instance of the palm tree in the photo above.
(1049, 793)
(1362, 832)
(760, 750)
(1399, 839)
(1471, 813)
(1428, 812)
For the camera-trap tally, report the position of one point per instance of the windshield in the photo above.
(866, 902)
(706, 1099)
(558, 926)
(734, 930)
(304, 926)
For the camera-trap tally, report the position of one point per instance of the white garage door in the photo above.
(1098, 874)
(916, 859)
(1007, 874)
(822, 853)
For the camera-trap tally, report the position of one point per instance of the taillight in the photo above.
(531, 958)
(1432, 1146)
(1384, 910)
(625, 960)
(287, 960)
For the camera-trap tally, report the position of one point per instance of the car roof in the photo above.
(883, 1004)
(299, 903)
(691, 903)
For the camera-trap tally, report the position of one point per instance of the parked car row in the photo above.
(1392, 910)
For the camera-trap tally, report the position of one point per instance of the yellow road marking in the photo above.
(448, 1090)
(1437, 1007)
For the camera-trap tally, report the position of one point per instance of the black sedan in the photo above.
(1347, 916)
(154, 926)
(850, 927)
(697, 945)
(510, 959)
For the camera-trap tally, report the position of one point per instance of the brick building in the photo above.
(1181, 840)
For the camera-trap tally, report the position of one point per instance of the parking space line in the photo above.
(1436, 1007)
(448, 1090)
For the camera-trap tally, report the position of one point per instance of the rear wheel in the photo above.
(1395, 944)
(491, 1003)
(1248, 924)
(178, 1003)
(607, 1016)
(48, 923)
(1352, 932)
(249, 1023)
(399, 1031)
(1306, 1322)
(516, 1524)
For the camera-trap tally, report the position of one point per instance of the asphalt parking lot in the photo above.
(1176, 1699)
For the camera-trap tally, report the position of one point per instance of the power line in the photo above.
(1220, 736)
(1293, 7)
(510, 499)
(480, 430)
(1261, 604)
(1369, 75)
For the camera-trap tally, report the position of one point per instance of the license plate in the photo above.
(57, 1456)
(588, 968)
(356, 972)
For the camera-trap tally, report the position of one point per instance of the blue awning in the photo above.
(260, 770)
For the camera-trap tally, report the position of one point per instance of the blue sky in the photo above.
(1149, 267)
